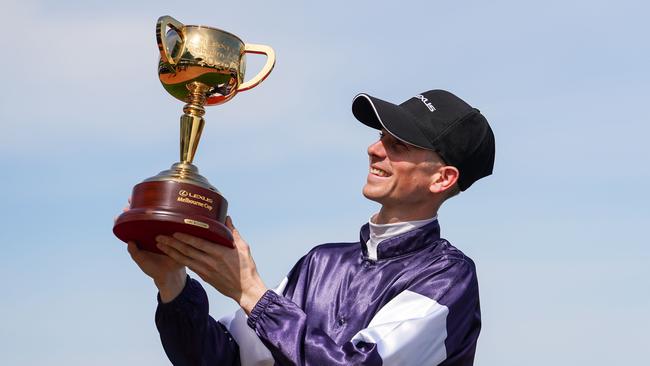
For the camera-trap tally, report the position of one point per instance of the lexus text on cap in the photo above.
(436, 120)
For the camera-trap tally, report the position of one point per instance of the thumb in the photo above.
(134, 251)
(229, 225)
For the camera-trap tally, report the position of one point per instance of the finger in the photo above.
(174, 253)
(200, 244)
(233, 229)
(185, 249)
(131, 246)
(133, 250)
(180, 258)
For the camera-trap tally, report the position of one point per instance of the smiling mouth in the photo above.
(378, 172)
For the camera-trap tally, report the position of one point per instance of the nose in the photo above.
(377, 150)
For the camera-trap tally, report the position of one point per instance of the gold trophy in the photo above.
(200, 66)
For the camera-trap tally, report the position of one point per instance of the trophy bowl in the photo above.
(200, 66)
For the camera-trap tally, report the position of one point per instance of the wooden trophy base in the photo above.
(175, 201)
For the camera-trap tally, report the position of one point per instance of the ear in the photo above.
(444, 179)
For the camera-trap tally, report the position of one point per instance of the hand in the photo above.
(167, 274)
(231, 271)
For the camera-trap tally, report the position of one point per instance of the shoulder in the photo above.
(316, 265)
(447, 275)
(445, 251)
(324, 255)
(334, 249)
(446, 257)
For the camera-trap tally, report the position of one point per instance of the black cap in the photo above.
(436, 120)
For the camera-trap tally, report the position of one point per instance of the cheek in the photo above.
(421, 183)
(418, 181)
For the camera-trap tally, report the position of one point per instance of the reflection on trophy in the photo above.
(200, 66)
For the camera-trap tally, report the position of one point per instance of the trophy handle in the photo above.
(266, 70)
(161, 37)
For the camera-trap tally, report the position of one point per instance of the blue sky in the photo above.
(559, 232)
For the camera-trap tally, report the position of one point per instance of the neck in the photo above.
(387, 215)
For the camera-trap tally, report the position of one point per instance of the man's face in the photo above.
(400, 174)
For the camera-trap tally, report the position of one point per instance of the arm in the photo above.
(436, 321)
(283, 326)
(433, 322)
(189, 335)
(233, 273)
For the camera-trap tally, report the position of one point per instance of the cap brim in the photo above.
(379, 114)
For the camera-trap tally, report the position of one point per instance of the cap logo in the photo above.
(426, 102)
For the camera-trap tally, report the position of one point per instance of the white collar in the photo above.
(381, 232)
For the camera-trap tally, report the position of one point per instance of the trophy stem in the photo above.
(192, 120)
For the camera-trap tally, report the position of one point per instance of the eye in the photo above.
(400, 145)
(393, 143)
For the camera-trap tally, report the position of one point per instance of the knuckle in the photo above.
(182, 259)
(216, 255)
(211, 263)
(189, 240)
(200, 270)
(183, 248)
(200, 244)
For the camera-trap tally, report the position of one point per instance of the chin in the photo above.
(371, 194)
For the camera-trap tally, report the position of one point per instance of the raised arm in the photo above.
(434, 322)
(189, 335)
(411, 329)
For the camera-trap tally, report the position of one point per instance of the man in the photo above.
(402, 295)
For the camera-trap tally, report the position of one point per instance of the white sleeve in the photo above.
(409, 330)
(252, 352)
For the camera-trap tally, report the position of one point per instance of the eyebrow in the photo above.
(395, 140)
